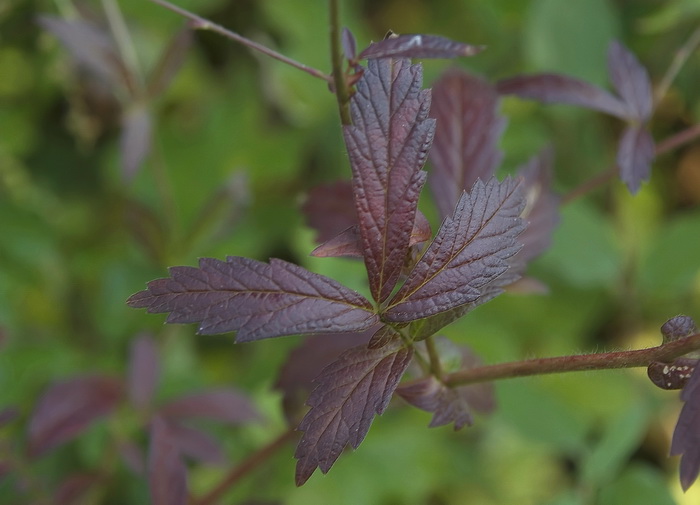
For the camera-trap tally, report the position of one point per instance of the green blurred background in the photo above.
(240, 138)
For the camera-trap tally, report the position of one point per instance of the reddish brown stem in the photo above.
(245, 467)
(599, 361)
(204, 24)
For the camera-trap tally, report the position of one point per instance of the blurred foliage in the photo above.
(239, 139)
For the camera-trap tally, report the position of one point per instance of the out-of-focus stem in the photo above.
(341, 87)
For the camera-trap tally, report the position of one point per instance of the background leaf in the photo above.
(167, 475)
(468, 130)
(634, 156)
(68, 407)
(631, 81)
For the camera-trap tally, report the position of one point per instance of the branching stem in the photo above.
(599, 361)
(204, 24)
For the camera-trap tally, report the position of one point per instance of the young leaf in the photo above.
(631, 81)
(143, 371)
(634, 156)
(388, 143)
(557, 88)
(419, 46)
(349, 393)
(466, 136)
(70, 406)
(167, 475)
(542, 209)
(225, 405)
(470, 250)
(448, 405)
(348, 242)
(347, 40)
(258, 300)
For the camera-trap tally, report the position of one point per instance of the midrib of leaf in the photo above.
(459, 251)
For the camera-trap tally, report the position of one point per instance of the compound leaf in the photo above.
(388, 143)
(635, 154)
(349, 393)
(558, 88)
(419, 46)
(631, 81)
(470, 250)
(256, 299)
(466, 136)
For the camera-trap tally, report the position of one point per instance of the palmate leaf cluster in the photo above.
(463, 265)
(418, 284)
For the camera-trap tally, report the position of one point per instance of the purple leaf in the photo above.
(167, 475)
(349, 393)
(329, 208)
(349, 45)
(631, 81)
(448, 405)
(388, 144)
(196, 444)
(419, 46)
(686, 436)
(170, 62)
(349, 243)
(7, 415)
(466, 136)
(470, 250)
(424, 328)
(557, 88)
(542, 209)
(68, 407)
(90, 47)
(143, 371)
(634, 156)
(305, 362)
(135, 141)
(258, 300)
(226, 405)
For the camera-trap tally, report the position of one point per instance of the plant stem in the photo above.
(435, 365)
(677, 63)
(599, 361)
(204, 24)
(668, 144)
(341, 87)
(245, 467)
